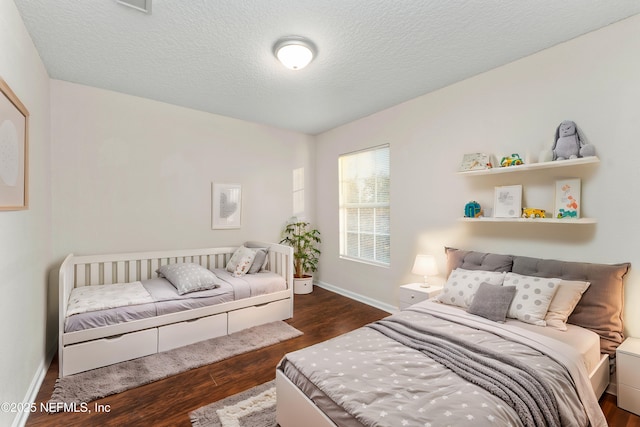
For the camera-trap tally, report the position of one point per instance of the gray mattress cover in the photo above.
(367, 378)
(167, 300)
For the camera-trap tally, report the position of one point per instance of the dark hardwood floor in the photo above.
(320, 315)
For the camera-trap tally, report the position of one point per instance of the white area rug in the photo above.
(252, 408)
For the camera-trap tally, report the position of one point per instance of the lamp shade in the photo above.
(425, 265)
(294, 52)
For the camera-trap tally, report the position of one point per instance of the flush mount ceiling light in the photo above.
(294, 52)
(141, 5)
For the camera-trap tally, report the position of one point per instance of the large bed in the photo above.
(119, 307)
(449, 362)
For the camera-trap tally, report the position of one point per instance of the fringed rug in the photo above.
(252, 408)
(101, 382)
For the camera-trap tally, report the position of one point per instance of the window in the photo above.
(364, 205)
(298, 192)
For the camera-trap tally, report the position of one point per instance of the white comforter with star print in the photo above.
(102, 297)
(366, 378)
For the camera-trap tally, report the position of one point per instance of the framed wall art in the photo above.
(567, 198)
(226, 205)
(14, 151)
(508, 201)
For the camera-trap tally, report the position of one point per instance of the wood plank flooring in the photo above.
(320, 315)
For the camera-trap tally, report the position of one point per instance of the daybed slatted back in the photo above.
(139, 268)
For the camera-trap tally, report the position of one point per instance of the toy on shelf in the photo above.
(533, 213)
(567, 214)
(512, 160)
(568, 144)
(472, 210)
(475, 161)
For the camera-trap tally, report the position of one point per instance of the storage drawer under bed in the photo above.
(107, 351)
(191, 331)
(257, 315)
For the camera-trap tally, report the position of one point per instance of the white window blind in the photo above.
(364, 205)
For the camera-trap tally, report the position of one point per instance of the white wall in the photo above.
(134, 174)
(592, 80)
(25, 236)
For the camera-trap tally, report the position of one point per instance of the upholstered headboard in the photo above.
(600, 308)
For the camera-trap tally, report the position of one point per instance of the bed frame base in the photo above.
(600, 376)
(294, 408)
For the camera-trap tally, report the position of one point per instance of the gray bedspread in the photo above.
(367, 378)
(167, 300)
(506, 377)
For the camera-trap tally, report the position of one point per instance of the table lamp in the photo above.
(425, 265)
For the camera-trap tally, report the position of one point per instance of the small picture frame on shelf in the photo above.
(567, 199)
(508, 201)
(475, 161)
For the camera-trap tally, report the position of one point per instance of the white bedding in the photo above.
(584, 341)
(102, 297)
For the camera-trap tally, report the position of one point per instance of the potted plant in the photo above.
(304, 240)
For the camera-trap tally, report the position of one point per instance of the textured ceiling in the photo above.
(216, 56)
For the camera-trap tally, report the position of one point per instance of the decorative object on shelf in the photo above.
(512, 160)
(226, 201)
(568, 144)
(304, 240)
(533, 213)
(475, 161)
(567, 198)
(508, 201)
(472, 210)
(425, 265)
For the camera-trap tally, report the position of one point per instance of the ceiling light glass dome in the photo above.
(294, 52)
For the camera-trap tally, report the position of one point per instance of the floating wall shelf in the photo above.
(533, 220)
(535, 166)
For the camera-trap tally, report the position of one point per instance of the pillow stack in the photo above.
(247, 260)
(498, 295)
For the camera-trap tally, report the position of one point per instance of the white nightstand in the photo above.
(414, 292)
(628, 371)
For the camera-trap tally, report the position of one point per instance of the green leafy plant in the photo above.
(304, 240)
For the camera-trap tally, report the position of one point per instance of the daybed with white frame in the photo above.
(95, 347)
(436, 363)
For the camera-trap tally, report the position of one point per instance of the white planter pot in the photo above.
(302, 285)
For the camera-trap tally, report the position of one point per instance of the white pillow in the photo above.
(533, 297)
(564, 302)
(241, 261)
(462, 285)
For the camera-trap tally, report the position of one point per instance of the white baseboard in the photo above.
(361, 298)
(32, 393)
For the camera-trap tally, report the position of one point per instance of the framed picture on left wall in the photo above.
(14, 151)
(226, 206)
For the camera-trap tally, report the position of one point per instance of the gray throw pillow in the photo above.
(189, 277)
(492, 302)
(258, 261)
